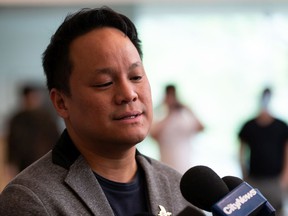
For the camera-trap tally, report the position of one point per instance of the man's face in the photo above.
(110, 101)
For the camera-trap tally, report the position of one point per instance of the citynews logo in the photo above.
(231, 207)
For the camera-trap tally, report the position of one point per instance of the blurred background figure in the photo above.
(263, 153)
(174, 127)
(31, 131)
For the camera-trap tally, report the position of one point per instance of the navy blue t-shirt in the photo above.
(126, 199)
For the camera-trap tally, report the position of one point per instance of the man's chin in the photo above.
(134, 139)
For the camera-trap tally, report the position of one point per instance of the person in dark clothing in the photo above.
(263, 153)
(32, 130)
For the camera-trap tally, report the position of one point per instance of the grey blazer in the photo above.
(62, 183)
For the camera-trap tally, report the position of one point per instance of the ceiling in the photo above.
(75, 2)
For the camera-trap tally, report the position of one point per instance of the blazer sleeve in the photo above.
(15, 199)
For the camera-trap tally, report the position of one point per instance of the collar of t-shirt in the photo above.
(126, 199)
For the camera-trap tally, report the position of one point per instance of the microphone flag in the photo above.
(243, 201)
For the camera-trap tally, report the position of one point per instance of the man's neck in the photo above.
(121, 168)
(265, 118)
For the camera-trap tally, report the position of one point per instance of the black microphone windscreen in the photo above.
(202, 187)
(232, 182)
(189, 211)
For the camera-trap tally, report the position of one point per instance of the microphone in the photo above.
(232, 182)
(202, 187)
(229, 196)
(260, 206)
(189, 211)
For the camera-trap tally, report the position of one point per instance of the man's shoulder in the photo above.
(40, 174)
(281, 122)
(157, 166)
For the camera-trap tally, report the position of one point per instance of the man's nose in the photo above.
(125, 93)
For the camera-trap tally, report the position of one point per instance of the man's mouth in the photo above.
(128, 116)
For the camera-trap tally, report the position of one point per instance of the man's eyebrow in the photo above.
(104, 70)
(110, 71)
(134, 65)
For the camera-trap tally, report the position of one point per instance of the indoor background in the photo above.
(220, 55)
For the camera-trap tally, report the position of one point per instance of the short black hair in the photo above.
(28, 88)
(267, 91)
(56, 62)
(170, 88)
(265, 97)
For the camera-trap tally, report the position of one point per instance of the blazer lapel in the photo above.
(82, 180)
(159, 194)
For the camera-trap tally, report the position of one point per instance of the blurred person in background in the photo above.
(32, 130)
(263, 153)
(174, 127)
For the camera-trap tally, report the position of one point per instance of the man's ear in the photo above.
(59, 102)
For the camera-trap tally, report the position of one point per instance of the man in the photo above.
(175, 130)
(98, 85)
(264, 142)
(32, 130)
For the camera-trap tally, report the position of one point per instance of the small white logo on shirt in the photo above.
(163, 211)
